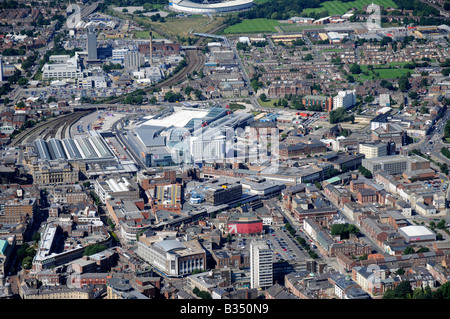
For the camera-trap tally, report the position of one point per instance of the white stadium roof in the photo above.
(225, 6)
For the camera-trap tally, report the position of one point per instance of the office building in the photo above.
(324, 102)
(207, 148)
(261, 265)
(373, 149)
(18, 210)
(118, 187)
(390, 132)
(396, 164)
(345, 99)
(220, 194)
(62, 67)
(118, 55)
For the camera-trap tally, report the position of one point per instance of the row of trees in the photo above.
(279, 9)
(301, 241)
(344, 230)
(404, 291)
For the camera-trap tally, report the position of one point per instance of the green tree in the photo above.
(308, 57)
(408, 251)
(355, 69)
(263, 97)
(27, 262)
(94, 249)
(403, 84)
(22, 81)
(413, 95)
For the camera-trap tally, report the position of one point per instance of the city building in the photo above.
(117, 187)
(18, 210)
(301, 149)
(133, 60)
(118, 55)
(91, 45)
(261, 264)
(1, 69)
(395, 164)
(223, 193)
(324, 102)
(120, 288)
(373, 149)
(390, 132)
(244, 223)
(417, 233)
(345, 99)
(172, 257)
(205, 148)
(385, 100)
(52, 172)
(62, 67)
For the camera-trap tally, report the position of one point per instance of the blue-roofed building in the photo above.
(270, 118)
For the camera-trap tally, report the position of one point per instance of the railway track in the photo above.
(65, 123)
(194, 60)
(49, 128)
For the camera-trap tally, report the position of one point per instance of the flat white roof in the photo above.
(414, 231)
(179, 118)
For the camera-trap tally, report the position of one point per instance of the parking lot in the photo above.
(284, 246)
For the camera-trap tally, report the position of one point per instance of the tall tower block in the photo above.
(91, 44)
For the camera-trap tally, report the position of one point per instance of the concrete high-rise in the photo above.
(344, 99)
(261, 264)
(91, 45)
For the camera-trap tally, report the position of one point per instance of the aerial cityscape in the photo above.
(224, 149)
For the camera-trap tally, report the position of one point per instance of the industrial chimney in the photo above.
(151, 48)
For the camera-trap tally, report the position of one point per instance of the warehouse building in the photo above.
(416, 234)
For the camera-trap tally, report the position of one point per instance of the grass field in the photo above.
(392, 73)
(382, 73)
(253, 26)
(267, 103)
(338, 7)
